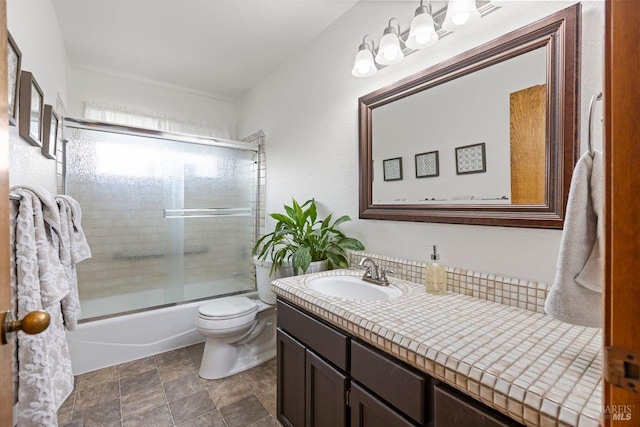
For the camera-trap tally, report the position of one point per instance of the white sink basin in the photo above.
(349, 287)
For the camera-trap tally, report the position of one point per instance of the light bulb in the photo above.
(461, 18)
(390, 55)
(362, 68)
(423, 38)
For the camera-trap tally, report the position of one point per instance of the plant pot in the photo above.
(314, 267)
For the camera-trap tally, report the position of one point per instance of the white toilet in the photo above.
(240, 332)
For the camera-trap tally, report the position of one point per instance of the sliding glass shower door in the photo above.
(167, 221)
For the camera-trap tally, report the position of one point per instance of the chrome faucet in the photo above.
(372, 274)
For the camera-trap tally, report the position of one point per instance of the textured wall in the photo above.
(34, 27)
(308, 110)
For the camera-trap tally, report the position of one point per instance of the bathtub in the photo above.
(102, 343)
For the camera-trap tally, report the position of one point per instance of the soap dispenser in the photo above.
(436, 275)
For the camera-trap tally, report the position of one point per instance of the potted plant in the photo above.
(301, 238)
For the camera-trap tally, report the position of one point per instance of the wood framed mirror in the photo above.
(505, 114)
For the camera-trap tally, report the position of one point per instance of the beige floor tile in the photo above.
(157, 417)
(99, 415)
(231, 390)
(96, 395)
(244, 412)
(190, 407)
(212, 419)
(183, 387)
(139, 382)
(142, 401)
(136, 367)
(95, 378)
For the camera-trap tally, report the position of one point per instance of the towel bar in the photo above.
(592, 106)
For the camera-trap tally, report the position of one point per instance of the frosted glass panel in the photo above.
(141, 258)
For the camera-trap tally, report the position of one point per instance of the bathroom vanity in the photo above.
(329, 378)
(432, 360)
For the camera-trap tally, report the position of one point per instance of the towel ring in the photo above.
(592, 107)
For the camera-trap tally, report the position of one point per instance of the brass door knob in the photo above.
(33, 323)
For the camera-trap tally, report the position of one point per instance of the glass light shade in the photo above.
(422, 32)
(389, 52)
(460, 13)
(364, 65)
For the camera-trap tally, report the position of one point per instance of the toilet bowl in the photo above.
(240, 332)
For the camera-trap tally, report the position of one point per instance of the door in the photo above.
(6, 400)
(291, 384)
(326, 392)
(622, 207)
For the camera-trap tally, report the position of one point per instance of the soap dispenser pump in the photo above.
(436, 275)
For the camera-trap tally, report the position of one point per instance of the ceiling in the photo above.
(221, 48)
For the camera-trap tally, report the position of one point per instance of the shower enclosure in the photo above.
(169, 218)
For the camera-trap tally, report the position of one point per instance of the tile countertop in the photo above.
(529, 366)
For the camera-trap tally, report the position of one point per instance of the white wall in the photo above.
(91, 86)
(308, 111)
(34, 27)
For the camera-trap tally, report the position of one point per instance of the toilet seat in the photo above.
(227, 314)
(227, 308)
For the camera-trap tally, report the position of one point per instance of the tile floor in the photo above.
(165, 390)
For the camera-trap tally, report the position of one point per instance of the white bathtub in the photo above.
(109, 342)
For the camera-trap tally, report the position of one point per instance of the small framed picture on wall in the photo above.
(31, 106)
(50, 122)
(427, 164)
(392, 169)
(14, 60)
(471, 159)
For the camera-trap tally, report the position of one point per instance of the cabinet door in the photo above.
(291, 381)
(454, 410)
(369, 411)
(326, 391)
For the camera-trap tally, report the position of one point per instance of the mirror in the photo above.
(489, 137)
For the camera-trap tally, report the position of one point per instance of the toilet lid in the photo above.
(228, 308)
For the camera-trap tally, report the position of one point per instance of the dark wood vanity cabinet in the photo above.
(328, 379)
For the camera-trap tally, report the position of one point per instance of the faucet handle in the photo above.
(384, 272)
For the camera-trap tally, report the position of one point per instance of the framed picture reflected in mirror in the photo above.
(428, 164)
(392, 169)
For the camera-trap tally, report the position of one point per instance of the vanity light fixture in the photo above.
(423, 32)
(460, 13)
(364, 65)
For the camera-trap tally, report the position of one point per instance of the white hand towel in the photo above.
(576, 295)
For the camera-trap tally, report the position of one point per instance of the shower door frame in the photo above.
(96, 125)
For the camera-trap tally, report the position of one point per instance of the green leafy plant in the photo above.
(301, 238)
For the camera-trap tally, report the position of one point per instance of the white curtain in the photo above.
(151, 120)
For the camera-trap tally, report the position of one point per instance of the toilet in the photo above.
(240, 332)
